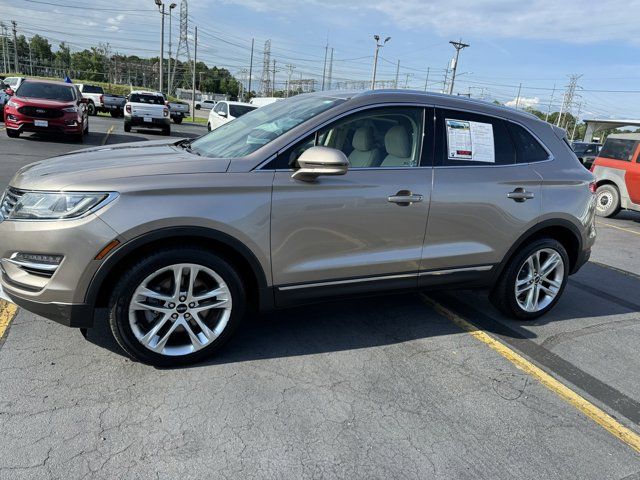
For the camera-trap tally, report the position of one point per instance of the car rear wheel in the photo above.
(91, 109)
(178, 120)
(607, 200)
(533, 281)
(127, 127)
(176, 307)
(13, 133)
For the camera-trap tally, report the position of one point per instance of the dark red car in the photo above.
(46, 106)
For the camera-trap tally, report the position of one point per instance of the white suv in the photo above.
(225, 111)
(147, 110)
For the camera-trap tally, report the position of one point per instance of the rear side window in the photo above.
(469, 139)
(92, 89)
(239, 110)
(619, 149)
(528, 149)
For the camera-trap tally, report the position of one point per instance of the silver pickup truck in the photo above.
(178, 110)
(98, 101)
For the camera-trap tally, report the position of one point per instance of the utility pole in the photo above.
(15, 46)
(290, 72)
(273, 84)
(568, 97)
(251, 66)
(426, 82)
(324, 69)
(397, 73)
(330, 71)
(575, 123)
(546, 118)
(518, 97)
(375, 58)
(30, 59)
(4, 47)
(458, 46)
(193, 75)
(406, 81)
(169, 89)
(161, 63)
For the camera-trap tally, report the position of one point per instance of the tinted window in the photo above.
(48, 91)
(239, 110)
(528, 149)
(469, 139)
(619, 149)
(92, 89)
(150, 99)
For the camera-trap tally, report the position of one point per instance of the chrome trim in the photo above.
(346, 282)
(479, 268)
(44, 267)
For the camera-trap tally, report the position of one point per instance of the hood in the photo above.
(106, 165)
(41, 102)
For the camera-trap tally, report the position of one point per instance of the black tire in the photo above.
(86, 126)
(91, 109)
(177, 120)
(13, 133)
(114, 113)
(208, 126)
(198, 107)
(166, 131)
(503, 294)
(607, 200)
(127, 127)
(136, 273)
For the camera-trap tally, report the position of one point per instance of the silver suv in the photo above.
(318, 196)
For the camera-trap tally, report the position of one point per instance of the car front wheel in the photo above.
(176, 307)
(533, 280)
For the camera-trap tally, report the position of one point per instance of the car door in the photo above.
(632, 178)
(360, 231)
(483, 200)
(216, 119)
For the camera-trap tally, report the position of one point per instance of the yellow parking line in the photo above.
(104, 140)
(7, 312)
(616, 227)
(596, 414)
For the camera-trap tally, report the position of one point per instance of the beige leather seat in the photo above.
(398, 144)
(364, 152)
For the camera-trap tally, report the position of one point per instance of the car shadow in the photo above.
(387, 320)
(628, 215)
(174, 133)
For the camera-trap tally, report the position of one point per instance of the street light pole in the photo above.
(171, 7)
(375, 58)
(161, 70)
(458, 46)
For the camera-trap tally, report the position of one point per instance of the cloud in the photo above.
(524, 102)
(566, 20)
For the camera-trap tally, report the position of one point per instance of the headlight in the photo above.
(11, 103)
(70, 109)
(57, 205)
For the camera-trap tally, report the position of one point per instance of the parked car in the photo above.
(4, 98)
(13, 82)
(98, 101)
(46, 106)
(617, 171)
(347, 195)
(205, 104)
(226, 111)
(147, 110)
(586, 152)
(178, 110)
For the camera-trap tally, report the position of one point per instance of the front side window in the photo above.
(47, 91)
(528, 149)
(381, 137)
(243, 136)
(469, 139)
(619, 149)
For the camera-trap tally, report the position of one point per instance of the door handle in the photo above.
(404, 198)
(520, 195)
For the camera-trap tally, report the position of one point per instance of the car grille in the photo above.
(11, 197)
(40, 112)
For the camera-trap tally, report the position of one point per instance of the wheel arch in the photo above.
(232, 250)
(559, 229)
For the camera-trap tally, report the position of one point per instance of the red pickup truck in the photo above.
(617, 171)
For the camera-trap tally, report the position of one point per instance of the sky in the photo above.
(531, 46)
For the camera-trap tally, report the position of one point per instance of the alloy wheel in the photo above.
(604, 200)
(539, 280)
(180, 309)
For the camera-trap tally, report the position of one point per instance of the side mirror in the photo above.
(318, 161)
(84, 100)
(221, 113)
(9, 92)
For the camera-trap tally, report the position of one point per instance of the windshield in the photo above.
(152, 99)
(47, 91)
(243, 136)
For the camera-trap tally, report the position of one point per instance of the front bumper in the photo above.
(59, 295)
(68, 124)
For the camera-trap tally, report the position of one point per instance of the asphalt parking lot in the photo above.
(385, 387)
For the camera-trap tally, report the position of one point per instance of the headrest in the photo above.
(397, 142)
(363, 139)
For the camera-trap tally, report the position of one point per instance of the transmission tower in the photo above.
(183, 44)
(567, 102)
(265, 81)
